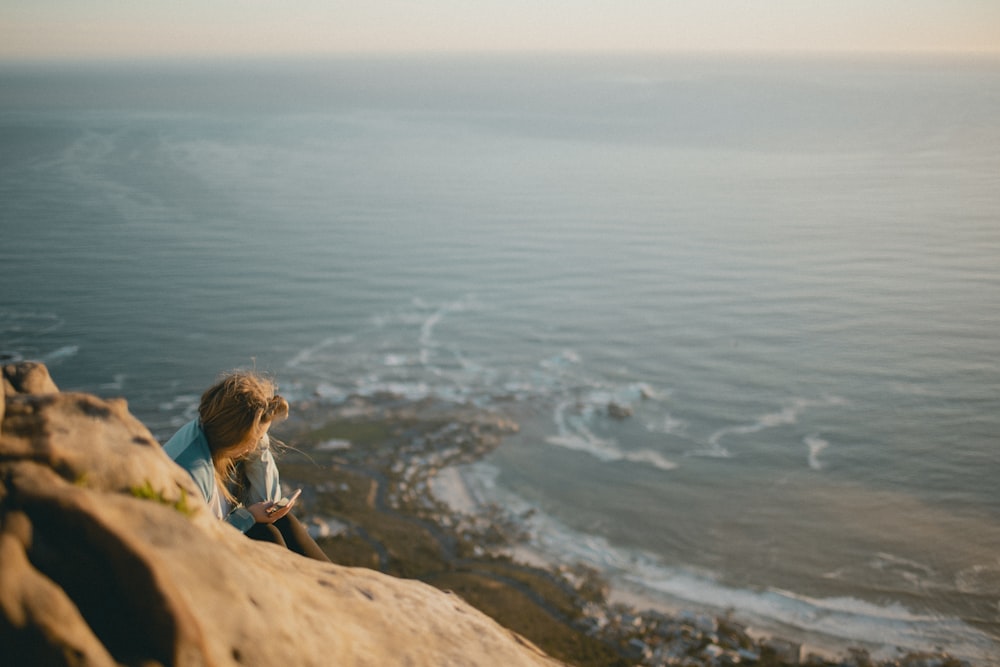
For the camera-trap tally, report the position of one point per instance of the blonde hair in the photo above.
(231, 413)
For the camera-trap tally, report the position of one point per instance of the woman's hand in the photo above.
(261, 515)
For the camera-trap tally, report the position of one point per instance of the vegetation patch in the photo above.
(147, 492)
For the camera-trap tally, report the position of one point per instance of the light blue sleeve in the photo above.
(189, 450)
(241, 519)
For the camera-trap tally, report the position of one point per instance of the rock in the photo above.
(628, 620)
(108, 556)
(703, 623)
(784, 652)
(678, 648)
(712, 651)
(28, 377)
(636, 649)
(857, 657)
(619, 411)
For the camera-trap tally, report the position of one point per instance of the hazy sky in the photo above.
(130, 28)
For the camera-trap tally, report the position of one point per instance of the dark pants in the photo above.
(288, 532)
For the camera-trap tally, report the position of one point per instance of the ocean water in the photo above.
(787, 269)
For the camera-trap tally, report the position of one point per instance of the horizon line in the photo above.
(165, 58)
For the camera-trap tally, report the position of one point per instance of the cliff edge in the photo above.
(109, 556)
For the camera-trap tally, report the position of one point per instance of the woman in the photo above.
(227, 453)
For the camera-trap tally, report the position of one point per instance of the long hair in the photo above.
(231, 414)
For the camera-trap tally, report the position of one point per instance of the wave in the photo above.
(27, 323)
(426, 336)
(786, 416)
(21, 331)
(60, 354)
(331, 393)
(562, 360)
(815, 445)
(651, 457)
(666, 424)
(308, 356)
(182, 409)
(396, 360)
(117, 383)
(980, 577)
(426, 340)
(573, 433)
(333, 445)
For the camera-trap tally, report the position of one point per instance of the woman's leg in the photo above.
(266, 532)
(298, 539)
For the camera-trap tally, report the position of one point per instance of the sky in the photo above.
(101, 29)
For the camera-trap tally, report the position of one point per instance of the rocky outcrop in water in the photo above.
(108, 556)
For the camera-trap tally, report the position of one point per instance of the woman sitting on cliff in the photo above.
(227, 453)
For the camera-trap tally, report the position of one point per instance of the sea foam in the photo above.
(61, 354)
(574, 433)
(815, 445)
(785, 416)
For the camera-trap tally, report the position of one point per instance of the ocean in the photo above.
(782, 274)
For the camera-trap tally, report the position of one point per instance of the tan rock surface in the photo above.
(28, 377)
(108, 556)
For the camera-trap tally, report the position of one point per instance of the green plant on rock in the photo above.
(147, 492)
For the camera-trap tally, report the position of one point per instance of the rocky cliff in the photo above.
(108, 556)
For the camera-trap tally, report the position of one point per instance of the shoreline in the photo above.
(410, 453)
(631, 576)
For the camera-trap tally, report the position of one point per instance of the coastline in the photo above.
(834, 626)
(382, 471)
